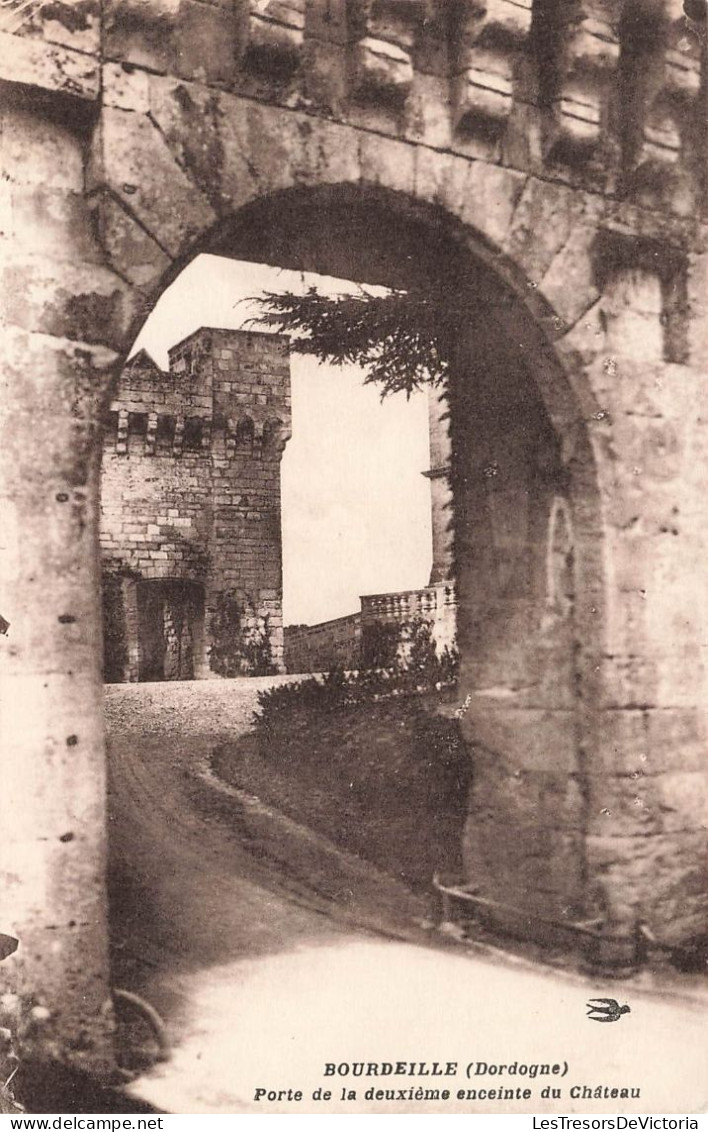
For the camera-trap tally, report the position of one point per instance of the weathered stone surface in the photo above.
(650, 742)
(65, 410)
(509, 793)
(530, 739)
(533, 870)
(569, 284)
(52, 223)
(481, 194)
(543, 222)
(53, 771)
(427, 114)
(48, 67)
(388, 163)
(128, 145)
(190, 40)
(79, 302)
(35, 151)
(659, 881)
(191, 500)
(71, 23)
(126, 244)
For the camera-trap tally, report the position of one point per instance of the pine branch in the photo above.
(400, 338)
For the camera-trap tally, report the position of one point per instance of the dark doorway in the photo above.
(170, 629)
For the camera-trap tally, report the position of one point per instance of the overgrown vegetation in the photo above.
(398, 659)
(383, 776)
(241, 639)
(365, 759)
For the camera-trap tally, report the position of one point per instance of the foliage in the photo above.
(408, 648)
(417, 667)
(379, 644)
(368, 763)
(402, 338)
(242, 639)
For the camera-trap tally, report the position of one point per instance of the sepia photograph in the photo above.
(354, 558)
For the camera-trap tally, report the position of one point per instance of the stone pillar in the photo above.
(648, 782)
(440, 489)
(62, 320)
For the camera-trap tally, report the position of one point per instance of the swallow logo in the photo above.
(606, 1010)
(8, 945)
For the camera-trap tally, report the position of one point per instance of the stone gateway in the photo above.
(542, 161)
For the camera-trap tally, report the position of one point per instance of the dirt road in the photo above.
(263, 988)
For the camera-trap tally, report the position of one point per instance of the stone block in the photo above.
(524, 867)
(527, 739)
(676, 739)
(83, 303)
(543, 222)
(569, 284)
(75, 24)
(328, 21)
(387, 162)
(479, 193)
(660, 880)
(34, 150)
(49, 67)
(428, 113)
(272, 34)
(191, 40)
(623, 806)
(132, 159)
(126, 88)
(682, 799)
(382, 68)
(126, 243)
(54, 224)
(482, 96)
(508, 792)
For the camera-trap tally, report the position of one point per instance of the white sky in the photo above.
(356, 509)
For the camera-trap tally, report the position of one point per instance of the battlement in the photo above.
(190, 503)
(598, 92)
(224, 389)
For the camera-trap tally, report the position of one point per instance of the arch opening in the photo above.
(520, 462)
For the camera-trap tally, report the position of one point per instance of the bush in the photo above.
(362, 758)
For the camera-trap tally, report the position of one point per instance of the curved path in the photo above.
(262, 986)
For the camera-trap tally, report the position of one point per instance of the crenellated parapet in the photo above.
(670, 132)
(271, 35)
(485, 47)
(224, 392)
(383, 35)
(599, 93)
(578, 56)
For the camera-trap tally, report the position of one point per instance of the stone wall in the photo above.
(322, 647)
(338, 643)
(540, 163)
(190, 493)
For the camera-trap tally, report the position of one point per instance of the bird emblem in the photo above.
(8, 945)
(606, 1010)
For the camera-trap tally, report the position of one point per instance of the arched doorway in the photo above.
(529, 613)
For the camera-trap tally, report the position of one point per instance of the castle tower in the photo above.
(190, 524)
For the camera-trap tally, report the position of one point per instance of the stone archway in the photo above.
(129, 144)
(522, 451)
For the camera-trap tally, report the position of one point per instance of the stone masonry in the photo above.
(190, 509)
(540, 163)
